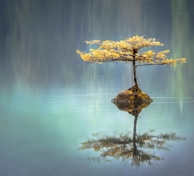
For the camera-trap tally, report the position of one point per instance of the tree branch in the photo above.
(150, 64)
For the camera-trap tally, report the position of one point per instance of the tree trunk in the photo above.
(134, 130)
(134, 69)
(135, 150)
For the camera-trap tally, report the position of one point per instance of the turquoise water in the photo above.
(41, 133)
(51, 101)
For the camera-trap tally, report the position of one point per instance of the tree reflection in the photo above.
(138, 148)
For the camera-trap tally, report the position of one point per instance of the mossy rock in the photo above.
(132, 100)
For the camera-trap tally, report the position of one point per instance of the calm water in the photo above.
(41, 133)
(51, 101)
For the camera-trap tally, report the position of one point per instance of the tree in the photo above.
(128, 50)
(138, 147)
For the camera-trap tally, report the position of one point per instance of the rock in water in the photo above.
(132, 100)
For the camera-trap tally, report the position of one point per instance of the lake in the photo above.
(41, 133)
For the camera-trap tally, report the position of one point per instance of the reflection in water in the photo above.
(138, 148)
(132, 100)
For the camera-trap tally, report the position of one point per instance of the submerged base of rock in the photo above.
(132, 100)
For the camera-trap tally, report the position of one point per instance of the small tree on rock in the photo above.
(128, 50)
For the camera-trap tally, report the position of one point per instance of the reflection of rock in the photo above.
(132, 100)
(138, 148)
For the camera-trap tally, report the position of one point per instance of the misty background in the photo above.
(39, 39)
(51, 101)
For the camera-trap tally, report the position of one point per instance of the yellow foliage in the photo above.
(128, 50)
(84, 56)
(182, 60)
(162, 54)
(138, 42)
(93, 42)
(148, 54)
(123, 45)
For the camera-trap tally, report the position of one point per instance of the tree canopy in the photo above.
(128, 50)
